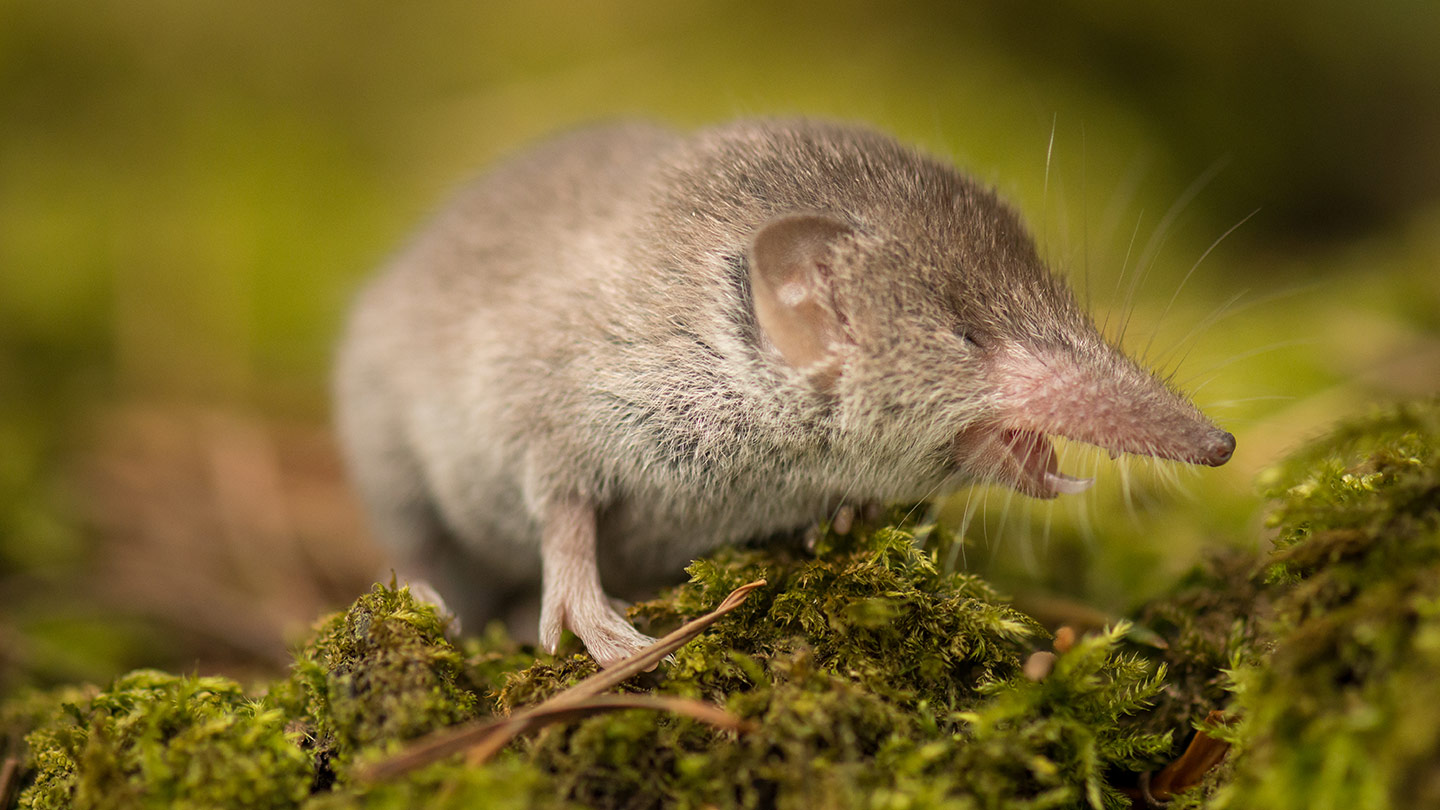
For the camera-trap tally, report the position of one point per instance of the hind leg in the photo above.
(572, 595)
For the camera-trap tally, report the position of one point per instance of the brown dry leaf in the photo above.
(484, 739)
(1203, 753)
(487, 739)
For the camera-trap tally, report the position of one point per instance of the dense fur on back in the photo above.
(579, 328)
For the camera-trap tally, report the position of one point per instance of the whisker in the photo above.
(1081, 506)
(970, 506)
(1246, 355)
(921, 502)
(1162, 233)
(985, 520)
(1045, 531)
(1216, 315)
(1230, 403)
(1084, 225)
(1045, 191)
(1123, 197)
(1229, 310)
(1029, 560)
(1183, 281)
(1126, 486)
(1124, 265)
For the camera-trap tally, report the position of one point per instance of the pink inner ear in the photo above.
(789, 280)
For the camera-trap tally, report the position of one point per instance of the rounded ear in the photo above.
(790, 284)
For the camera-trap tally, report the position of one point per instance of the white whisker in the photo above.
(1120, 280)
(1230, 403)
(1228, 310)
(1246, 355)
(1162, 233)
(1191, 272)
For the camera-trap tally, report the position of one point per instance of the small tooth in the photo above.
(1067, 485)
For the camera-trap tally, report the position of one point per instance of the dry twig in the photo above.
(486, 738)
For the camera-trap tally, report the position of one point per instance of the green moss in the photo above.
(1345, 711)
(157, 740)
(826, 741)
(872, 605)
(1214, 619)
(507, 783)
(873, 679)
(375, 676)
(490, 661)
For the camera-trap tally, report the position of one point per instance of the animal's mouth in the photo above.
(1030, 456)
(1022, 459)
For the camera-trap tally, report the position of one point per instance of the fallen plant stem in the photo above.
(483, 739)
(1203, 753)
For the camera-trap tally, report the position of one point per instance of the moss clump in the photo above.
(375, 676)
(1345, 710)
(154, 740)
(507, 783)
(1213, 620)
(825, 741)
(872, 605)
(875, 681)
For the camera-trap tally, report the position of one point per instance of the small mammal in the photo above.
(627, 347)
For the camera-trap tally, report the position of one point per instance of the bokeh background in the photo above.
(190, 193)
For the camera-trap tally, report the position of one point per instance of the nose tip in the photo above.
(1218, 448)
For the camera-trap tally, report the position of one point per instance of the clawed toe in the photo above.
(606, 634)
(612, 642)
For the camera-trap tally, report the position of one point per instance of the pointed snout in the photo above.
(1101, 398)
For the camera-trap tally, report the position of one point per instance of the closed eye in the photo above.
(972, 341)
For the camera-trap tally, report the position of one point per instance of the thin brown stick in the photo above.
(502, 732)
(483, 739)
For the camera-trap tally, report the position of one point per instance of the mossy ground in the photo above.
(1343, 708)
(874, 679)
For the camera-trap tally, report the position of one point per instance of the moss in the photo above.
(507, 783)
(157, 740)
(1345, 711)
(874, 679)
(492, 658)
(1213, 620)
(375, 676)
(872, 605)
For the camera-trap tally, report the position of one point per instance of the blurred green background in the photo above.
(191, 191)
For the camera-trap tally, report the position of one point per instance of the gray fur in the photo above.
(569, 354)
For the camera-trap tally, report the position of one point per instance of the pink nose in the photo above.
(1217, 448)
